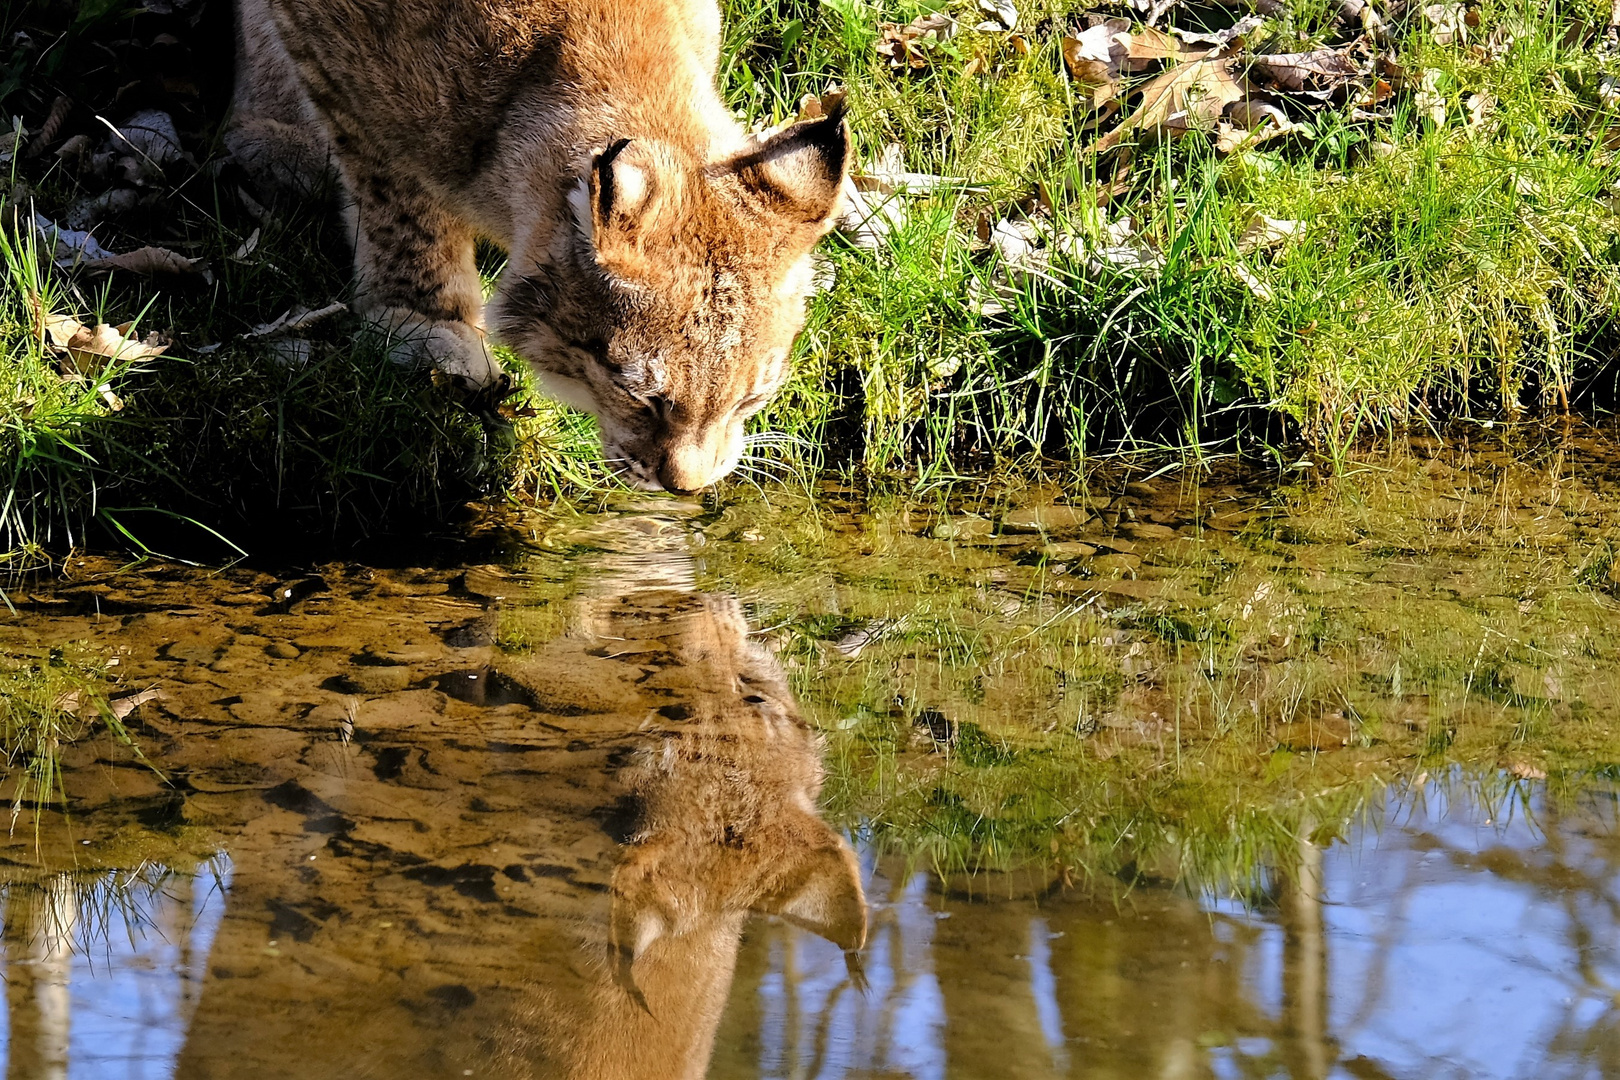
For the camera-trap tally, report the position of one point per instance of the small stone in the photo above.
(1045, 518)
(283, 650)
(1146, 530)
(195, 649)
(961, 527)
(1114, 565)
(379, 680)
(1067, 550)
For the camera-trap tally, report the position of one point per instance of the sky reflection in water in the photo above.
(1451, 945)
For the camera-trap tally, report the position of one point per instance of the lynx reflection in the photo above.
(553, 889)
(722, 782)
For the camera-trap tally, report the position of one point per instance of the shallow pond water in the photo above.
(1227, 779)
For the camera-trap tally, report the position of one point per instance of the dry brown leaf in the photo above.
(1187, 97)
(911, 46)
(1123, 250)
(868, 218)
(122, 706)
(1248, 123)
(247, 247)
(1480, 106)
(1148, 46)
(88, 350)
(296, 321)
(1096, 56)
(1430, 102)
(1317, 70)
(887, 175)
(812, 107)
(1002, 15)
(1447, 22)
(1259, 288)
(52, 127)
(146, 260)
(1244, 26)
(1373, 95)
(1268, 232)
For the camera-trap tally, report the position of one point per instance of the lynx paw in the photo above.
(455, 348)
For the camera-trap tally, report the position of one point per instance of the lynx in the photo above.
(660, 255)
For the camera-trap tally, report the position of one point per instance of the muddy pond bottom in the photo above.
(1225, 780)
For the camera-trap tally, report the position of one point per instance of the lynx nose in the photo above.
(685, 469)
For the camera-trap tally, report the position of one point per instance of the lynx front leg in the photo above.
(416, 278)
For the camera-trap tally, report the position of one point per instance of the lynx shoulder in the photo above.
(659, 254)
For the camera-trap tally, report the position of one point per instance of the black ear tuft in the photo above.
(603, 167)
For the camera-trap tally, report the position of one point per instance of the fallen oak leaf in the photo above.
(868, 218)
(1268, 232)
(1255, 115)
(1447, 22)
(1222, 38)
(247, 247)
(1249, 123)
(125, 704)
(1259, 288)
(1096, 56)
(70, 247)
(1002, 12)
(912, 46)
(887, 175)
(73, 249)
(90, 349)
(296, 320)
(1317, 70)
(1184, 98)
(1148, 46)
(147, 260)
(1429, 100)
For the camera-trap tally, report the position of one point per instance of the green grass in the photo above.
(1446, 269)
(47, 702)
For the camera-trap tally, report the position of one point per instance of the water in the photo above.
(1214, 781)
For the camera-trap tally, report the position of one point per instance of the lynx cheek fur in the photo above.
(659, 254)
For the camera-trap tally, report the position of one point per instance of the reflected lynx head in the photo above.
(669, 306)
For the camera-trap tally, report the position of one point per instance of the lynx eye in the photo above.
(658, 406)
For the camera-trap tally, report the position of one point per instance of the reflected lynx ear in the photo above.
(802, 168)
(636, 920)
(824, 895)
(625, 192)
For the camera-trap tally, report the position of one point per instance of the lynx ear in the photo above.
(801, 169)
(824, 895)
(619, 205)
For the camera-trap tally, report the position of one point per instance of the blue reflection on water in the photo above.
(133, 947)
(1447, 939)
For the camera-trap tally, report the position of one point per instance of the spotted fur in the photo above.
(659, 254)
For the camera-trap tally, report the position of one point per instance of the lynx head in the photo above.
(670, 306)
